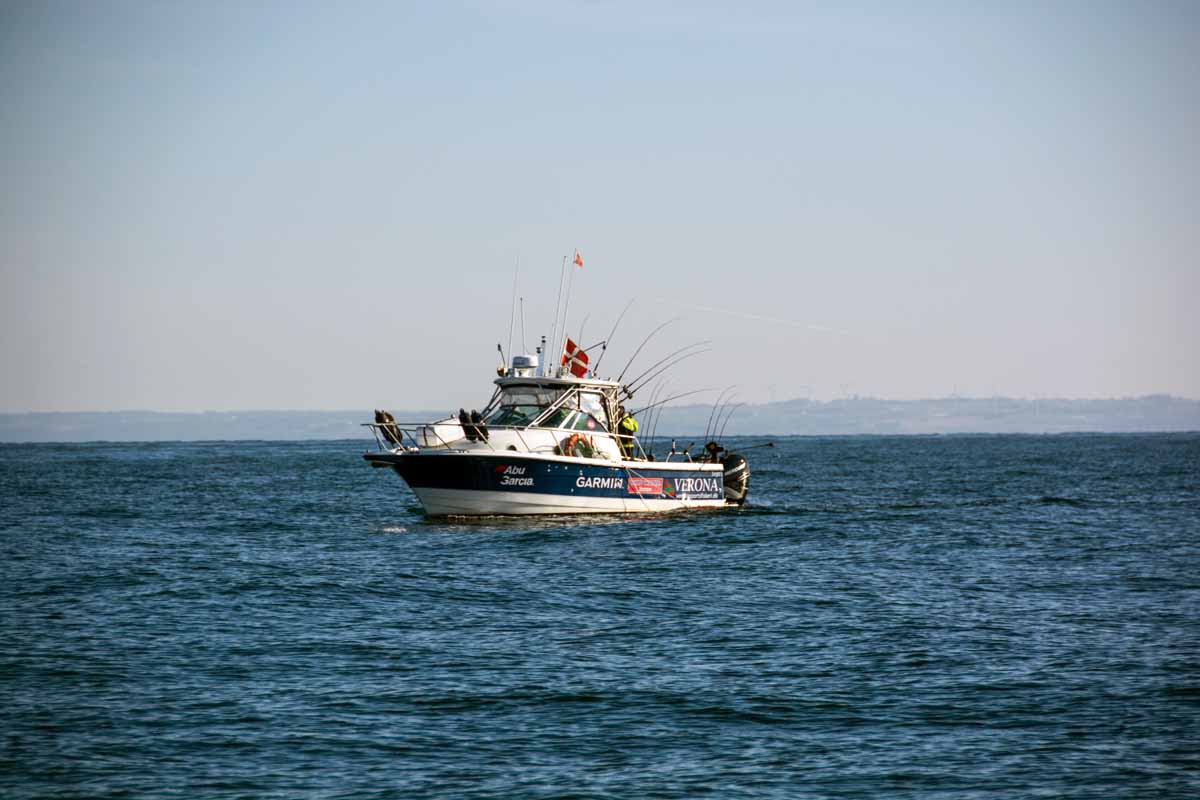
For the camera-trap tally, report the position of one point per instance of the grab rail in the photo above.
(409, 430)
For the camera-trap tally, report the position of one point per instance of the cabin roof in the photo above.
(559, 383)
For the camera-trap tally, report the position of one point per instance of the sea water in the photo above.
(968, 616)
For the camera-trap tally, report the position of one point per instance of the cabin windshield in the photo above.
(557, 418)
(521, 405)
(582, 412)
(593, 403)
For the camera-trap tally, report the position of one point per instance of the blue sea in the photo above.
(888, 617)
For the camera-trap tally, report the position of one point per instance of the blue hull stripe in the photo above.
(491, 473)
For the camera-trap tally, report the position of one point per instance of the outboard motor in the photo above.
(737, 478)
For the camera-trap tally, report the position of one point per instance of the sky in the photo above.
(222, 206)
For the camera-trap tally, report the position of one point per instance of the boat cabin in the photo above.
(562, 403)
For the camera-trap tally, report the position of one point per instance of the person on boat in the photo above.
(626, 427)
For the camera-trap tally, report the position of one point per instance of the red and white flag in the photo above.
(578, 260)
(577, 358)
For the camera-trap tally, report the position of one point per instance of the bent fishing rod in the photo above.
(634, 389)
(700, 343)
(610, 335)
(643, 344)
(720, 398)
(674, 397)
(728, 417)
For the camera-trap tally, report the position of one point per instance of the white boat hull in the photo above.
(472, 502)
(456, 483)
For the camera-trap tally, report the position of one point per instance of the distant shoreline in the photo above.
(683, 439)
(848, 416)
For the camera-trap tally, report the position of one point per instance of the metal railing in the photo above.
(392, 435)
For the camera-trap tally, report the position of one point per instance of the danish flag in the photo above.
(577, 358)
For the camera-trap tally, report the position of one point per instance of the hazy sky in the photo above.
(278, 205)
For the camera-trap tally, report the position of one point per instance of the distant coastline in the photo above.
(846, 416)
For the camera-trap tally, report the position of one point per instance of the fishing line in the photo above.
(759, 317)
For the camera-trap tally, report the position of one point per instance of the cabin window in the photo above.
(527, 396)
(513, 415)
(521, 405)
(592, 403)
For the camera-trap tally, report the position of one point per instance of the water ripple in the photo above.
(980, 617)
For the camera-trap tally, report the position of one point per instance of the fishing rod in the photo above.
(728, 417)
(643, 344)
(610, 335)
(655, 413)
(654, 395)
(672, 355)
(590, 346)
(721, 413)
(682, 358)
(658, 415)
(756, 446)
(674, 397)
(720, 397)
(583, 325)
(658, 412)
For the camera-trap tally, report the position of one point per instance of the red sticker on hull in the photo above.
(645, 485)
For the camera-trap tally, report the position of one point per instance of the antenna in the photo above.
(557, 305)
(513, 312)
(567, 307)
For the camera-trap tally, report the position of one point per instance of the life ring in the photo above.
(579, 446)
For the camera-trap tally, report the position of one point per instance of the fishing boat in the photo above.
(549, 441)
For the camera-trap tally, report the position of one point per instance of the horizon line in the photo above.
(845, 398)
